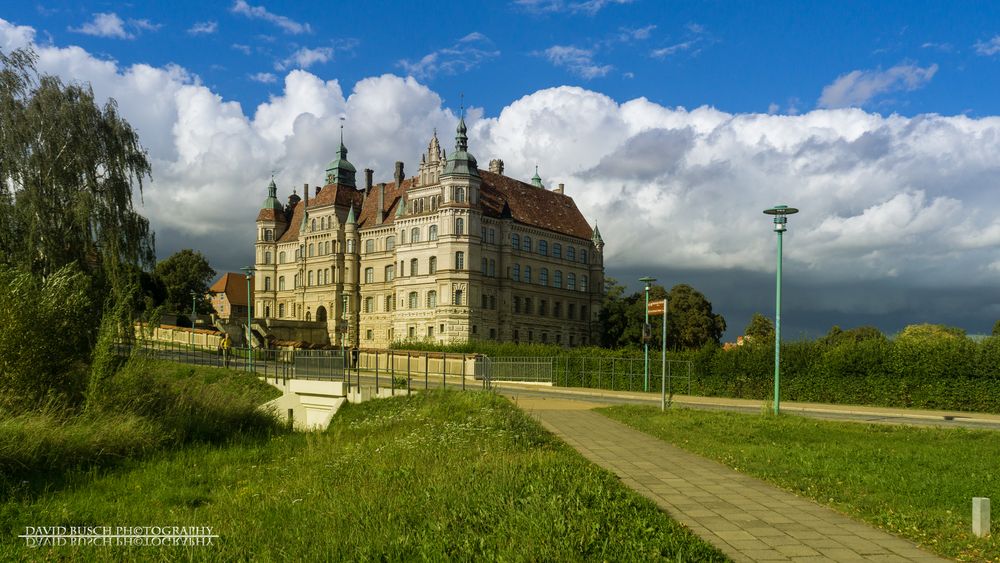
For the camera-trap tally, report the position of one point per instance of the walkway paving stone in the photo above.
(745, 517)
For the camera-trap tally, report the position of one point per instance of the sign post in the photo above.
(653, 309)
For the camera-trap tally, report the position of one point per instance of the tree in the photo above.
(760, 329)
(183, 272)
(691, 322)
(930, 332)
(614, 313)
(67, 168)
(858, 334)
(996, 328)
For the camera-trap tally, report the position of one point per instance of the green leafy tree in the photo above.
(837, 335)
(760, 329)
(930, 332)
(614, 313)
(691, 322)
(183, 272)
(67, 170)
(996, 328)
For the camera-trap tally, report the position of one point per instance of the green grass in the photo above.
(434, 476)
(914, 482)
(147, 406)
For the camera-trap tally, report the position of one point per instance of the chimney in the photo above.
(368, 180)
(496, 166)
(305, 191)
(399, 174)
(560, 189)
(381, 204)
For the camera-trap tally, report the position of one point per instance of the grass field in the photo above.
(914, 482)
(441, 475)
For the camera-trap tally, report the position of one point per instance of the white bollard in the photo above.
(980, 516)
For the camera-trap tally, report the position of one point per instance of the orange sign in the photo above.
(657, 307)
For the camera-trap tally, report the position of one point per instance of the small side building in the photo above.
(228, 296)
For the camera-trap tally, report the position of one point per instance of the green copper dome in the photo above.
(340, 171)
(461, 163)
(272, 198)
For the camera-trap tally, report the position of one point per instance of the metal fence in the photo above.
(273, 364)
(617, 374)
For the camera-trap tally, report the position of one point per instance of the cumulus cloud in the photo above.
(287, 24)
(469, 52)
(988, 48)
(203, 28)
(105, 25)
(894, 210)
(858, 87)
(576, 60)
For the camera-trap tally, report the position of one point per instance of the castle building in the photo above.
(452, 254)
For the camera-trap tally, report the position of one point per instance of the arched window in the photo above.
(329, 247)
(571, 281)
(269, 235)
(369, 303)
(516, 276)
(321, 314)
(515, 241)
(369, 275)
(460, 195)
(432, 299)
(369, 246)
(543, 276)
(281, 283)
(459, 226)
(556, 250)
(310, 277)
(402, 237)
(526, 244)
(308, 314)
(390, 243)
(459, 260)
(543, 247)
(313, 226)
(571, 253)
(527, 274)
(415, 234)
(311, 249)
(414, 270)
(432, 265)
(432, 232)
(413, 299)
(267, 283)
(557, 280)
(281, 257)
(389, 302)
(267, 257)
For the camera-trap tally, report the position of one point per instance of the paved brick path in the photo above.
(746, 518)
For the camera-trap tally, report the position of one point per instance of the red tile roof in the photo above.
(528, 204)
(234, 285)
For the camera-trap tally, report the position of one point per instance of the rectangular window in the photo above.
(543, 307)
(528, 308)
(493, 268)
(459, 260)
(516, 272)
(430, 332)
(369, 275)
(368, 335)
(486, 301)
(458, 297)
(515, 241)
(557, 309)
(517, 304)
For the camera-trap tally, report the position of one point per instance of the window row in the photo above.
(413, 300)
(526, 306)
(524, 243)
(324, 276)
(525, 275)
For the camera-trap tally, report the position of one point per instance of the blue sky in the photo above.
(672, 124)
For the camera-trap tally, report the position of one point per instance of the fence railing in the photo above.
(413, 370)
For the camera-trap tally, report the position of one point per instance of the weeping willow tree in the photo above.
(68, 167)
(67, 171)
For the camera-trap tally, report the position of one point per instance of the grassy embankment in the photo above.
(439, 475)
(914, 482)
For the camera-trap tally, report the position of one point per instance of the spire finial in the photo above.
(462, 104)
(342, 120)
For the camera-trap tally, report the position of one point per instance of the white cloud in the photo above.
(245, 49)
(105, 25)
(203, 28)
(261, 13)
(988, 48)
(264, 77)
(468, 53)
(576, 60)
(892, 199)
(858, 87)
(588, 7)
(305, 58)
(665, 52)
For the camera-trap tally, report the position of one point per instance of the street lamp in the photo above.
(194, 314)
(780, 213)
(249, 272)
(645, 334)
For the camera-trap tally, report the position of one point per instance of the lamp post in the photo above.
(645, 333)
(780, 213)
(194, 314)
(249, 272)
